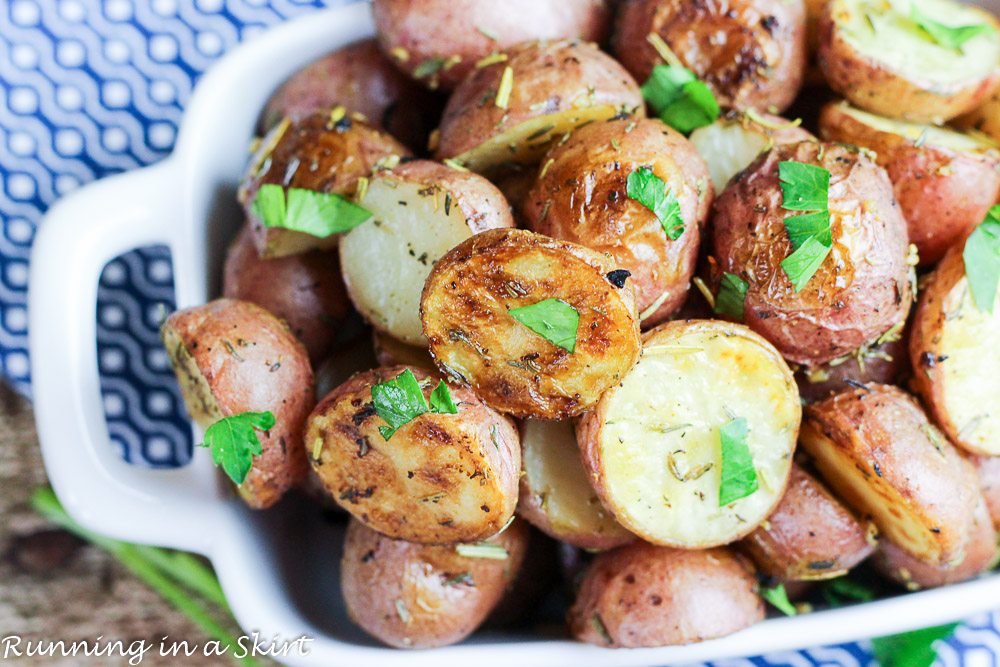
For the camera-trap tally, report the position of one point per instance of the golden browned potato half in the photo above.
(988, 471)
(751, 53)
(956, 368)
(944, 181)
(439, 42)
(392, 352)
(862, 288)
(420, 210)
(359, 77)
(232, 357)
(641, 595)
(980, 555)
(985, 118)
(878, 452)
(810, 535)
(556, 495)
(581, 195)
(440, 478)
(421, 596)
(653, 448)
(735, 140)
(305, 290)
(324, 151)
(474, 338)
(514, 109)
(876, 55)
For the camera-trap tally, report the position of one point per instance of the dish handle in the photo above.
(79, 235)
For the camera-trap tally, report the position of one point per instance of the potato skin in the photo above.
(985, 118)
(249, 362)
(392, 352)
(415, 34)
(549, 78)
(862, 288)
(473, 340)
(751, 53)
(342, 153)
(885, 362)
(809, 536)
(359, 77)
(942, 193)
(440, 479)
(411, 595)
(988, 472)
(304, 290)
(876, 449)
(641, 595)
(581, 196)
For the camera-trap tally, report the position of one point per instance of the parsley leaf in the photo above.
(778, 598)
(982, 261)
(837, 591)
(802, 264)
(441, 400)
(553, 319)
(234, 442)
(679, 98)
(732, 296)
(911, 649)
(738, 478)
(803, 227)
(950, 37)
(804, 187)
(401, 400)
(649, 190)
(319, 214)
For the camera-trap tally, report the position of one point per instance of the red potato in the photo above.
(984, 118)
(988, 471)
(392, 352)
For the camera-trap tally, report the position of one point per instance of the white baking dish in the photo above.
(279, 569)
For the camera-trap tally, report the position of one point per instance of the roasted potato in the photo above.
(439, 42)
(985, 118)
(420, 210)
(652, 444)
(391, 352)
(440, 478)
(581, 196)
(944, 181)
(564, 289)
(810, 535)
(513, 109)
(232, 357)
(318, 152)
(988, 472)
(876, 449)
(642, 595)
(364, 81)
(862, 288)
(751, 53)
(879, 57)
(556, 495)
(349, 357)
(419, 595)
(735, 140)
(956, 368)
(980, 555)
(305, 290)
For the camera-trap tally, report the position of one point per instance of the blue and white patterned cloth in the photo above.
(89, 88)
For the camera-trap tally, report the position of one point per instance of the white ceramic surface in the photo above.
(279, 569)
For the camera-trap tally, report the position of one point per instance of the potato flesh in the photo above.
(899, 44)
(971, 370)
(198, 397)
(928, 135)
(728, 147)
(662, 425)
(387, 259)
(554, 472)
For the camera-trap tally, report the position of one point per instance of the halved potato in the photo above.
(809, 536)
(945, 181)
(652, 444)
(735, 140)
(988, 472)
(421, 596)
(556, 495)
(514, 109)
(985, 118)
(956, 368)
(642, 595)
(420, 210)
(581, 195)
(325, 151)
(877, 452)
(232, 357)
(392, 352)
(474, 340)
(440, 478)
(874, 54)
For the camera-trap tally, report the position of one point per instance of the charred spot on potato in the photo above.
(618, 277)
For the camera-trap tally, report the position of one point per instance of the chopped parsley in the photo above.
(679, 98)
(732, 297)
(911, 649)
(318, 214)
(950, 37)
(738, 478)
(233, 442)
(982, 261)
(553, 319)
(401, 400)
(649, 190)
(778, 597)
(805, 187)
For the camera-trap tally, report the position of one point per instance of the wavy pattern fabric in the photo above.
(89, 88)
